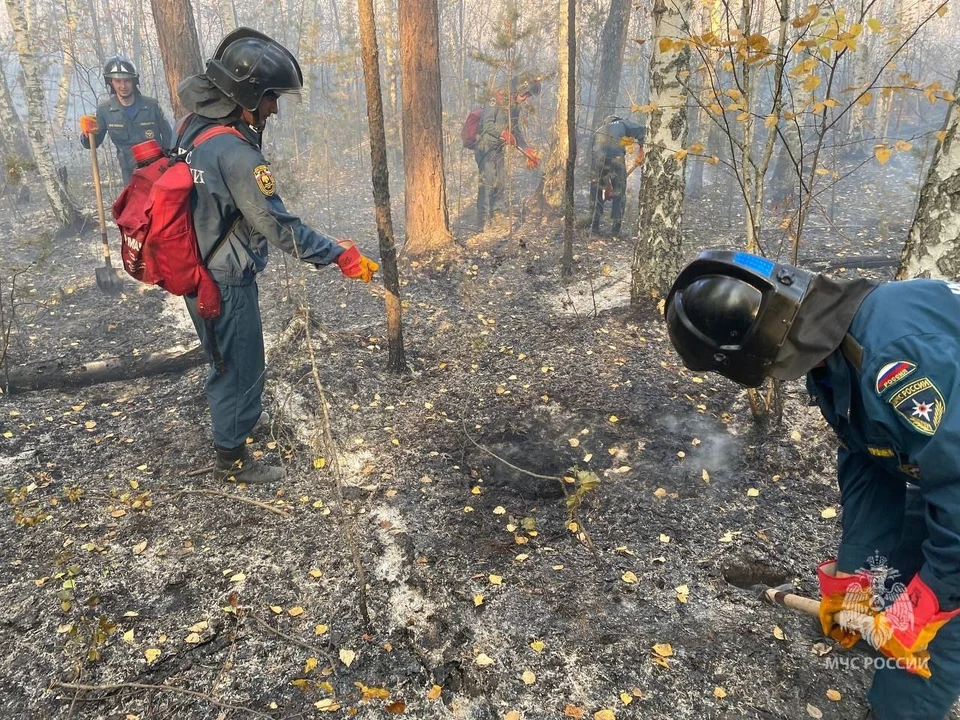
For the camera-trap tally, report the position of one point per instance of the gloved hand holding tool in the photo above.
(840, 596)
(533, 160)
(107, 278)
(354, 265)
(508, 137)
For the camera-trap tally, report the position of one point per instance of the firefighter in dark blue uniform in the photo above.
(127, 116)
(609, 167)
(238, 213)
(500, 127)
(883, 363)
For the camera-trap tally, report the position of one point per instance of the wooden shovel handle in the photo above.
(96, 186)
(794, 602)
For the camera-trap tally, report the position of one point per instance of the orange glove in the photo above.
(904, 630)
(508, 137)
(88, 124)
(354, 265)
(840, 597)
(533, 160)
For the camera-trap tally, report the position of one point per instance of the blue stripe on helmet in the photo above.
(755, 263)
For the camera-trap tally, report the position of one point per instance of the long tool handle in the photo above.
(794, 602)
(96, 186)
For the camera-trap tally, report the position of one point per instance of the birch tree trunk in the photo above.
(381, 184)
(11, 127)
(658, 251)
(62, 204)
(932, 249)
(555, 170)
(69, 62)
(179, 45)
(569, 216)
(427, 224)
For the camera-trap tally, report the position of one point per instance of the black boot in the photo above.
(236, 465)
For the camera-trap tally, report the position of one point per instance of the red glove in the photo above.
(354, 265)
(840, 597)
(533, 160)
(904, 630)
(88, 124)
(608, 193)
(508, 137)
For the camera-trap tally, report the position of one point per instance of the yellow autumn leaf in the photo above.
(310, 664)
(320, 630)
(496, 580)
(808, 17)
(865, 99)
(942, 10)
(434, 693)
(683, 593)
(605, 714)
(151, 654)
(512, 715)
(192, 639)
(529, 677)
(828, 513)
(719, 692)
(811, 83)
(666, 45)
(239, 577)
(778, 633)
(626, 698)
(629, 577)
(347, 656)
(903, 145)
(875, 25)
(680, 154)
(537, 646)
(771, 121)
(483, 660)
(753, 492)
(664, 538)
(941, 136)
(663, 649)
(833, 695)
(295, 611)
(883, 154)
(276, 609)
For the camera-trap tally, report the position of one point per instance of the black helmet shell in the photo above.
(248, 64)
(119, 67)
(730, 313)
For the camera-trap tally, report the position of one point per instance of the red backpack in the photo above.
(159, 243)
(470, 132)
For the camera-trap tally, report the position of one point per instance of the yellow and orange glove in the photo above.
(88, 124)
(533, 160)
(904, 630)
(354, 265)
(842, 597)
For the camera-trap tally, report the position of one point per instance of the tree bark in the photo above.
(658, 250)
(613, 42)
(381, 184)
(11, 127)
(179, 45)
(64, 374)
(39, 131)
(932, 249)
(555, 171)
(427, 224)
(569, 216)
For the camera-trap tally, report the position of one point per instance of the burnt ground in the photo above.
(116, 567)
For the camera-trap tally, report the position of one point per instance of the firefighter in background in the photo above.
(127, 116)
(500, 127)
(608, 171)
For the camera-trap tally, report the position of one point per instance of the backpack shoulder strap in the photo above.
(217, 130)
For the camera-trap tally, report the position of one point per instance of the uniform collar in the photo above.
(138, 103)
(837, 379)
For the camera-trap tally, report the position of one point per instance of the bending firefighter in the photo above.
(238, 213)
(608, 172)
(128, 117)
(883, 363)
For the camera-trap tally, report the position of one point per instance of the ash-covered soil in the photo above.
(491, 586)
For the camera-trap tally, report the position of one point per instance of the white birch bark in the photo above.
(658, 252)
(39, 130)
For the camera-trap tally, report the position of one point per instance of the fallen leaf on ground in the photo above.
(483, 660)
(347, 656)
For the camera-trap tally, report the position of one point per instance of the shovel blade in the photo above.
(108, 280)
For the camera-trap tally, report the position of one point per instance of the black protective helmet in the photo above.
(119, 67)
(526, 86)
(248, 64)
(730, 312)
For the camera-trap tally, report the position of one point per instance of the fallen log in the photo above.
(66, 374)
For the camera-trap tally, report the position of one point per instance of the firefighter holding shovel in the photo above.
(881, 361)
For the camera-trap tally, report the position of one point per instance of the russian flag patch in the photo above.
(892, 373)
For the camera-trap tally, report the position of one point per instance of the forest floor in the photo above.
(120, 569)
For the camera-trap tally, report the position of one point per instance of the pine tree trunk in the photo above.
(381, 183)
(427, 224)
(39, 129)
(932, 249)
(613, 42)
(555, 170)
(658, 252)
(179, 45)
(69, 56)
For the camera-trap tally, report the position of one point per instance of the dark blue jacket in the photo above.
(609, 137)
(237, 196)
(897, 416)
(147, 123)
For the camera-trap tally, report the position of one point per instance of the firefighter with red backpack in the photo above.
(237, 214)
(499, 126)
